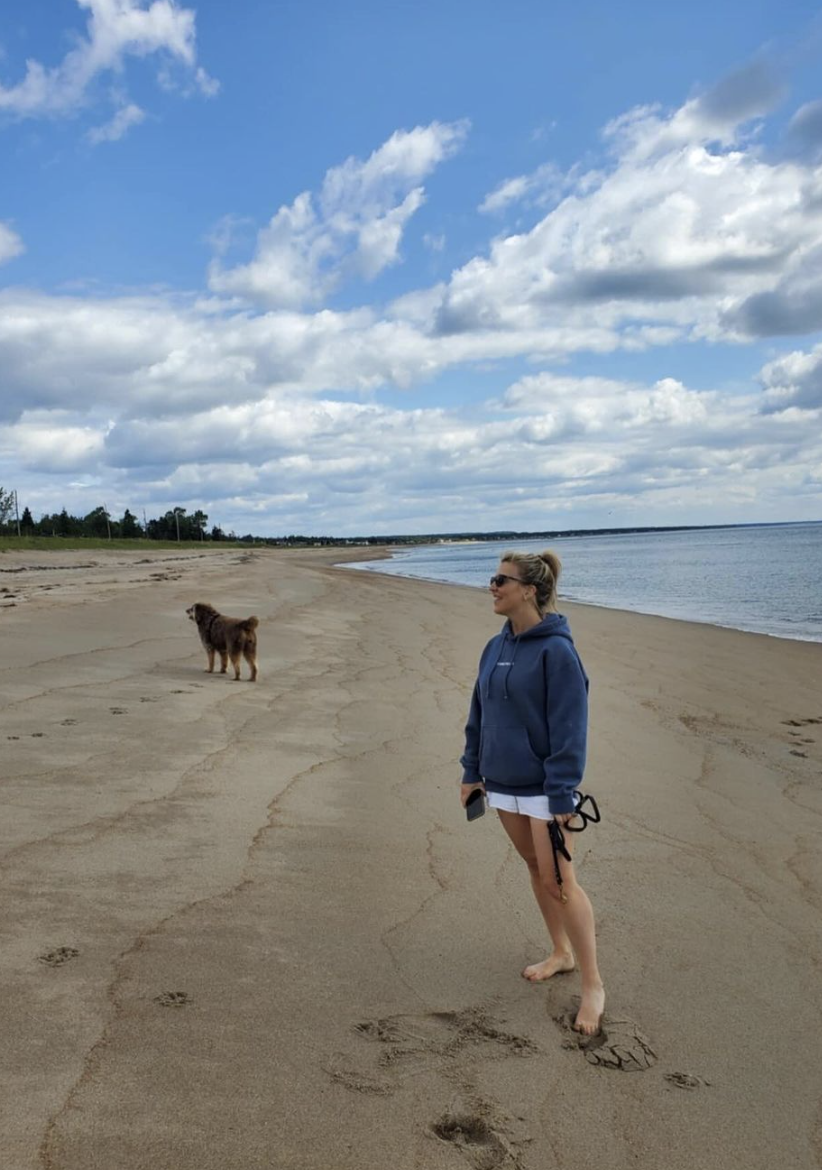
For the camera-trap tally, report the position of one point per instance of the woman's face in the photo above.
(509, 595)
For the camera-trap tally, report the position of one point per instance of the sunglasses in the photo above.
(590, 815)
(499, 580)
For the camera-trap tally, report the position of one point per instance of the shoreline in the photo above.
(565, 599)
(247, 925)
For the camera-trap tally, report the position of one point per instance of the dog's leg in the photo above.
(224, 661)
(210, 667)
(235, 662)
(250, 655)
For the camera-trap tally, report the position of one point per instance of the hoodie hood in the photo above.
(553, 625)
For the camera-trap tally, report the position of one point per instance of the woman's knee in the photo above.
(530, 860)
(561, 891)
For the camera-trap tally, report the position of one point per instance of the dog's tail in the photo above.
(250, 624)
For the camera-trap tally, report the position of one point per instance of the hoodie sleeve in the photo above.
(470, 757)
(566, 687)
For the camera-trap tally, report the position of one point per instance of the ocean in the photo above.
(766, 579)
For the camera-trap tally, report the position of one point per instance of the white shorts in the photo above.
(526, 806)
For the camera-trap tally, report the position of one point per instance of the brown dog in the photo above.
(229, 637)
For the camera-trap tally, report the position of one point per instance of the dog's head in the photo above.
(200, 610)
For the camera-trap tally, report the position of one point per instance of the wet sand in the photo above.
(247, 925)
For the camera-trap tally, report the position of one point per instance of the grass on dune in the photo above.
(84, 543)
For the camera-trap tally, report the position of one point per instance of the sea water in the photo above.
(762, 578)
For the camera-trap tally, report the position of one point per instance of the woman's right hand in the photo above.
(467, 789)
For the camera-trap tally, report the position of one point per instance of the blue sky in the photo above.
(396, 268)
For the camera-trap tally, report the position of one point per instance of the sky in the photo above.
(363, 268)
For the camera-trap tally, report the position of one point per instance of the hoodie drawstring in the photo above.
(509, 665)
(503, 644)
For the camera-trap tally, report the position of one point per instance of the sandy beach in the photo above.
(246, 925)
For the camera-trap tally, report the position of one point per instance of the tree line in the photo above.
(176, 524)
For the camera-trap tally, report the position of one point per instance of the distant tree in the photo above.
(175, 522)
(96, 523)
(198, 525)
(27, 522)
(6, 506)
(129, 527)
(68, 525)
(217, 533)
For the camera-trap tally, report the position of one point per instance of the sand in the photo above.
(247, 925)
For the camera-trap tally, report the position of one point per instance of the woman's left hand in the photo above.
(563, 818)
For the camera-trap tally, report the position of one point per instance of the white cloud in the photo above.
(11, 244)
(49, 445)
(126, 117)
(676, 232)
(208, 402)
(353, 228)
(793, 381)
(541, 186)
(116, 29)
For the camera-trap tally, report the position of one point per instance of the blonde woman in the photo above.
(525, 746)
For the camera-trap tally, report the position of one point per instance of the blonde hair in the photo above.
(541, 570)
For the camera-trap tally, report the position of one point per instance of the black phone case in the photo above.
(475, 805)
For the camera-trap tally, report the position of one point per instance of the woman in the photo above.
(525, 747)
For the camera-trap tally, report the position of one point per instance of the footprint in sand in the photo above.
(796, 752)
(118, 710)
(441, 1035)
(619, 1044)
(683, 1080)
(408, 1044)
(12, 737)
(173, 999)
(476, 1140)
(357, 1081)
(58, 956)
(38, 735)
(67, 722)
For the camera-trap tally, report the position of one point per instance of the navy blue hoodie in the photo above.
(528, 723)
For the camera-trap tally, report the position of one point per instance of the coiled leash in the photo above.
(557, 836)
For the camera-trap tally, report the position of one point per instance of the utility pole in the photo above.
(108, 521)
(177, 518)
(16, 511)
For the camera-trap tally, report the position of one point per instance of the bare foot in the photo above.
(556, 964)
(589, 1016)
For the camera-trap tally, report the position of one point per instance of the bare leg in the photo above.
(578, 920)
(561, 957)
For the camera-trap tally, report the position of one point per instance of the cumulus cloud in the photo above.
(541, 186)
(127, 116)
(353, 228)
(116, 29)
(274, 413)
(793, 382)
(10, 243)
(51, 446)
(680, 229)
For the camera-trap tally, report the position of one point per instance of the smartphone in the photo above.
(475, 805)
